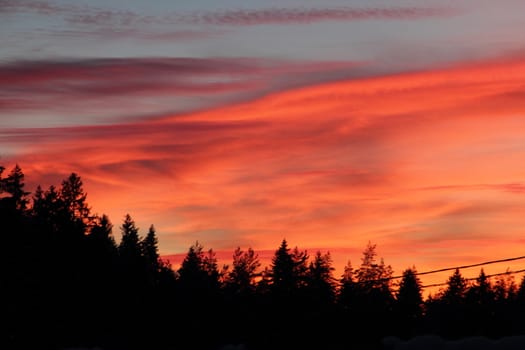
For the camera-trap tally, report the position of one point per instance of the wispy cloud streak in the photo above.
(112, 85)
(312, 15)
(237, 17)
(517, 188)
(41, 7)
(431, 160)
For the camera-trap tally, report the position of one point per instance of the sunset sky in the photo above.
(240, 123)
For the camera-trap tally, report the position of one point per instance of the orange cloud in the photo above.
(428, 165)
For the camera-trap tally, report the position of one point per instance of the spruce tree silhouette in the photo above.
(199, 294)
(101, 281)
(241, 279)
(282, 282)
(346, 299)
(158, 290)
(240, 286)
(198, 274)
(451, 312)
(479, 299)
(282, 271)
(372, 275)
(74, 198)
(373, 298)
(287, 287)
(348, 288)
(481, 292)
(130, 252)
(150, 251)
(409, 303)
(14, 185)
(505, 288)
(67, 283)
(211, 268)
(320, 280)
(319, 313)
(456, 288)
(19, 280)
(102, 240)
(46, 208)
(505, 293)
(132, 282)
(159, 273)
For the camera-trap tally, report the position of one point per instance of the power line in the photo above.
(460, 267)
(475, 278)
(490, 262)
(451, 269)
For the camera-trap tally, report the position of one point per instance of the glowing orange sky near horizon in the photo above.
(430, 166)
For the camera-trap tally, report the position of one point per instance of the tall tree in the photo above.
(300, 267)
(198, 291)
(129, 246)
(132, 263)
(242, 276)
(347, 292)
(159, 271)
(102, 250)
(505, 288)
(373, 295)
(211, 268)
(373, 278)
(455, 289)
(101, 235)
(101, 278)
(14, 185)
(198, 273)
(481, 291)
(47, 209)
(289, 270)
(245, 306)
(282, 270)
(479, 300)
(321, 282)
(450, 312)
(150, 250)
(74, 201)
(38, 201)
(409, 300)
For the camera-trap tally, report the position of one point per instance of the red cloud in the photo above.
(330, 165)
(110, 88)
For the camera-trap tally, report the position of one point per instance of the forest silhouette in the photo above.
(67, 282)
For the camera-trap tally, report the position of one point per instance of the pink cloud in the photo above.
(41, 7)
(427, 165)
(111, 88)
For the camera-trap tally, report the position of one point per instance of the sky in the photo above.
(330, 124)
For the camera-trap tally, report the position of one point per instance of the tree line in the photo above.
(65, 281)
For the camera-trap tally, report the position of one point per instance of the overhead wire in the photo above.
(475, 278)
(460, 267)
